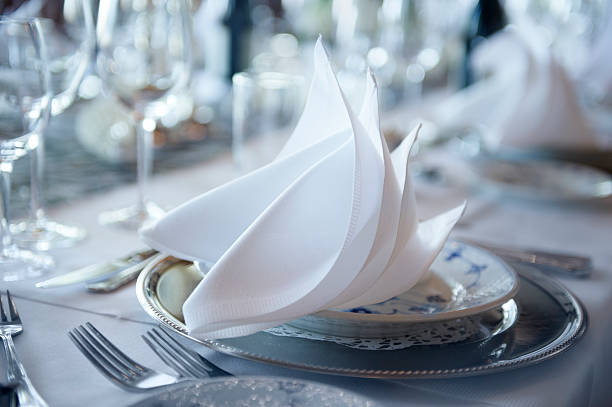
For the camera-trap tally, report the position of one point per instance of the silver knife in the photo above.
(117, 280)
(99, 271)
(562, 263)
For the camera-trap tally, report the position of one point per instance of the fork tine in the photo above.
(107, 354)
(114, 350)
(106, 368)
(177, 357)
(180, 352)
(12, 308)
(206, 365)
(2, 314)
(161, 352)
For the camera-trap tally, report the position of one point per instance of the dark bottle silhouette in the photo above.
(238, 22)
(488, 18)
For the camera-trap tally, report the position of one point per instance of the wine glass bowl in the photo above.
(144, 54)
(67, 28)
(70, 43)
(24, 110)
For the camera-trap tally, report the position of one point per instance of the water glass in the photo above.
(265, 104)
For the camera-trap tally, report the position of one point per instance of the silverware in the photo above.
(560, 263)
(182, 360)
(16, 374)
(101, 271)
(117, 280)
(116, 366)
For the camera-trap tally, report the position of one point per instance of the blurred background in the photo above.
(251, 62)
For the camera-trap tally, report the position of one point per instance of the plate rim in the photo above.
(562, 342)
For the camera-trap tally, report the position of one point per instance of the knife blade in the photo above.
(561, 263)
(98, 271)
(117, 280)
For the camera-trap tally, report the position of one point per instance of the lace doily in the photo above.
(436, 333)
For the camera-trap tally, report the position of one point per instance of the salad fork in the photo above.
(116, 365)
(182, 360)
(10, 326)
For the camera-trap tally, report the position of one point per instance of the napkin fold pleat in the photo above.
(389, 215)
(232, 207)
(286, 298)
(331, 221)
(323, 101)
(275, 249)
(416, 244)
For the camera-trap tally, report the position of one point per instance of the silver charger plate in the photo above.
(255, 391)
(551, 319)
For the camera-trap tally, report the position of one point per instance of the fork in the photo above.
(116, 365)
(182, 360)
(15, 372)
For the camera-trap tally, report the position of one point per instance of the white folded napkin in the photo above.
(527, 101)
(331, 222)
(596, 70)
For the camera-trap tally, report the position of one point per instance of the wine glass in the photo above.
(24, 111)
(144, 54)
(68, 29)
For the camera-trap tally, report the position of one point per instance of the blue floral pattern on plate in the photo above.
(463, 280)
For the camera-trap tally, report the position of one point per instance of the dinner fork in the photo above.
(15, 372)
(116, 365)
(182, 360)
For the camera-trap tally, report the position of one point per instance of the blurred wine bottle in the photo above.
(238, 22)
(488, 18)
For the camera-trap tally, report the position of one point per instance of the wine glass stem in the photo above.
(144, 159)
(37, 161)
(6, 241)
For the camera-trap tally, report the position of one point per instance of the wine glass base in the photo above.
(17, 264)
(45, 234)
(132, 217)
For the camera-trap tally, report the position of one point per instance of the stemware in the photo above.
(144, 55)
(68, 29)
(24, 111)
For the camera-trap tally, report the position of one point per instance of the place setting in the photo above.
(415, 305)
(409, 319)
(538, 141)
(307, 250)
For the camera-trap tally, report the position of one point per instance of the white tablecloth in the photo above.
(579, 377)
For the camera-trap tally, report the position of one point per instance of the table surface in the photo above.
(578, 377)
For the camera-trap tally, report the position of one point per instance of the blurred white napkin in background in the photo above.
(331, 222)
(596, 70)
(526, 99)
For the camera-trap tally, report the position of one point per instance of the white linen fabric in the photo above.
(331, 222)
(526, 99)
(596, 70)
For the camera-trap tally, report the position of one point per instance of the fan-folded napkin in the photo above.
(525, 101)
(331, 222)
